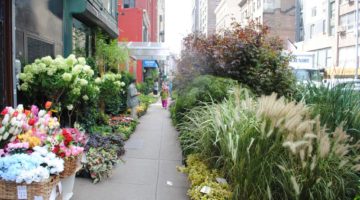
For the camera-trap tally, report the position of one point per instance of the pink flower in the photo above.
(34, 110)
(2, 152)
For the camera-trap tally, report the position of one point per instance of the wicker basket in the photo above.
(9, 189)
(70, 165)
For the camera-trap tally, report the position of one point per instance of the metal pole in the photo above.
(357, 38)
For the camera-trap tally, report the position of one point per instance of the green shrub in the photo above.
(246, 54)
(271, 149)
(336, 106)
(201, 90)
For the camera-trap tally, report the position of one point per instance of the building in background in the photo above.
(36, 28)
(328, 30)
(207, 17)
(141, 21)
(227, 12)
(278, 15)
(195, 10)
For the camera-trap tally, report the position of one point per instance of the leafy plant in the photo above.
(248, 55)
(200, 176)
(201, 90)
(338, 105)
(269, 148)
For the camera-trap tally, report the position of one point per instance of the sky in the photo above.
(177, 23)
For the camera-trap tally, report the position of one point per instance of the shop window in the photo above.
(83, 39)
(37, 48)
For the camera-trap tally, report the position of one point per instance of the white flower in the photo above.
(2, 129)
(6, 119)
(42, 113)
(83, 82)
(98, 80)
(70, 107)
(20, 107)
(82, 61)
(85, 97)
(122, 84)
(67, 77)
(24, 87)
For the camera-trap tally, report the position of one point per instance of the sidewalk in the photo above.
(149, 171)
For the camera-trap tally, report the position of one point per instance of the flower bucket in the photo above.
(67, 185)
(11, 190)
(70, 165)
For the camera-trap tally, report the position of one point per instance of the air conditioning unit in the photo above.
(342, 30)
(350, 1)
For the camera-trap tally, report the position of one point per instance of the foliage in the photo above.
(201, 90)
(109, 55)
(248, 55)
(67, 82)
(272, 149)
(123, 125)
(103, 152)
(200, 176)
(111, 88)
(338, 105)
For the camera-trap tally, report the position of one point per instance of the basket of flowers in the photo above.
(68, 144)
(28, 174)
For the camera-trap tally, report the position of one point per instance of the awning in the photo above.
(147, 50)
(341, 71)
(150, 64)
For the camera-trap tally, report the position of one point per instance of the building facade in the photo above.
(141, 21)
(207, 17)
(278, 15)
(195, 16)
(227, 12)
(329, 32)
(34, 28)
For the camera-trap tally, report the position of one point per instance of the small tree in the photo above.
(248, 55)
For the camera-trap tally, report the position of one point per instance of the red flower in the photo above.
(48, 104)
(49, 113)
(31, 121)
(15, 114)
(56, 149)
(62, 154)
(5, 111)
(67, 137)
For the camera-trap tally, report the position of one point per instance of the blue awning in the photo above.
(150, 63)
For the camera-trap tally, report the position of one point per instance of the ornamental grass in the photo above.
(269, 148)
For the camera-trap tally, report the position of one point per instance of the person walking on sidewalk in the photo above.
(164, 97)
(132, 98)
(156, 87)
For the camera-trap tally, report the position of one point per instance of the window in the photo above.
(258, 3)
(332, 18)
(348, 21)
(312, 29)
(324, 26)
(347, 56)
(83, 39)
(313, 12)
(129, 4)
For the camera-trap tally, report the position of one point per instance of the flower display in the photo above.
(30, 126)
(68, 142)
(28, 168)
(62, 80)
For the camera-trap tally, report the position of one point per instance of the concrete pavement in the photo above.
(149, 171)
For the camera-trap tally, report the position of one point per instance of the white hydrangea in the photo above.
(82, 61)
(122, 84)
(83, 82)
(98, 80)
(24, 87)
(67, 77)
(70, 107)
(85, 97)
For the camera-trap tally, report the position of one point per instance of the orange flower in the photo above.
(48, 104)
(27, 112)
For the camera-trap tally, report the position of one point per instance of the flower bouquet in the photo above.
(68, 144)
(27, 175)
